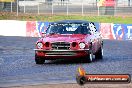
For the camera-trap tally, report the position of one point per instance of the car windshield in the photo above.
(68, 28)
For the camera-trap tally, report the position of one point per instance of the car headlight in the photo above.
(82, 45)
(39, 45)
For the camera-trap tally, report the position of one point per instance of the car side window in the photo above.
(83, 29)
(92, 28)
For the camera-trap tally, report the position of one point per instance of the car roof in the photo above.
(70, 21)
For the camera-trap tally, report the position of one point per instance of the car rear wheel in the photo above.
(99, 54)
(39, 60)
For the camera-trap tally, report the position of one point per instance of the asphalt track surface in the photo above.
(17, 66)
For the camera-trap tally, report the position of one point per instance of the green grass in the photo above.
(50, 18)
(105, 19)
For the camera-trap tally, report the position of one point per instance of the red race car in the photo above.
(69, 39)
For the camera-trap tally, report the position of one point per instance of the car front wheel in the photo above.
(89, 57)
(99, 54)
(39, 60)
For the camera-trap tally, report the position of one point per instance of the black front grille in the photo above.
(60, 46)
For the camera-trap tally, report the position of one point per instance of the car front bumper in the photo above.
(54, 54)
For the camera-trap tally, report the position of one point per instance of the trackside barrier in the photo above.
(12, 28)
(116, 31)
(34, 29)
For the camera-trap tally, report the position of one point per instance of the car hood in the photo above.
(65, 38)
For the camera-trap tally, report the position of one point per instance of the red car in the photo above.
(69, 39)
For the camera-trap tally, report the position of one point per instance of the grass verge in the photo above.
(50, 18)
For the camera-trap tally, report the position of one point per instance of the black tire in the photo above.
(39, 60)
(89, 57)
(99, 54)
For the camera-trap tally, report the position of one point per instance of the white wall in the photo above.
(12, 28)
